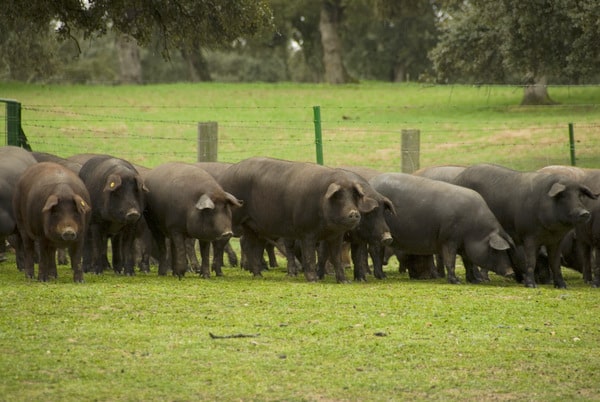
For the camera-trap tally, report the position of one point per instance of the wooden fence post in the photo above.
(411, 143)
(208, 137)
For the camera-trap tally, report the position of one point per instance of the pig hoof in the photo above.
(530, 285)
(560, 285)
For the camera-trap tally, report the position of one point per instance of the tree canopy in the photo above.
(171, 24)
(520, 41)
(450, 41)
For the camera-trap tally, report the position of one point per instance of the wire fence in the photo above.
(366, 136)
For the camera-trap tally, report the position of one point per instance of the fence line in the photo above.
(151, 137)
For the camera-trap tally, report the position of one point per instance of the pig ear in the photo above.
(141, 184)
(113, 182)
(234, 201)
(359, 189)
(82, 206)
(556, 189)
(50, 202)
(497, 242)
(367, 204)
(205, 203)
(332, 189)
(389, 205)
(588, 193)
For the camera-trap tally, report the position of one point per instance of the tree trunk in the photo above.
(335, 72)
(197, 65)
(129, 60)
(537, 93)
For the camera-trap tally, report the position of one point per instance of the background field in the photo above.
(148, 337)
(361, 123)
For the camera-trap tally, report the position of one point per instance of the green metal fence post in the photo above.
(318, 134)
(13, 122)
(14, 132)
(572, 144)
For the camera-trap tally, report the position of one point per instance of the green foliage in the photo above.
(176, 24)
(387, 49)
(527, 40)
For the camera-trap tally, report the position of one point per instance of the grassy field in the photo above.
(279, 338)
(361, 123)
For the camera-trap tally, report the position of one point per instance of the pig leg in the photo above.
(61, 256)
(292, 268)
(116, 242)
(97, 239)
(449, 257)
(554, 257)
(439, 263)
(47, 264)
(219, 247)
(26, 247)
(309, 258)
(163, 255)
(595, 261)
(75, 256)
(87, 251)
(322, 257)
(335, 256)
(531, 252)
(270, 249)
(178, 257)
(231, 256)
(583, 254)
(377, 255)
(252, 249)
(127, 254)
(190, 250)
(471, 271)
(205, 256)
(360, 260)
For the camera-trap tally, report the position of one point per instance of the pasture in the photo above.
(279, 338)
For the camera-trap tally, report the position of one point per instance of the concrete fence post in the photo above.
(411, 143)
(208, 138)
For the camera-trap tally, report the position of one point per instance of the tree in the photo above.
(174, 23)
(129, 59)
(390, 48)
(534, 41)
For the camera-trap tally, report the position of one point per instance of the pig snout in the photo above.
(508, 273)
(68, 234)
(354, 215)
(583, 216)
(132, 215)
(386, 239)
(225, 235)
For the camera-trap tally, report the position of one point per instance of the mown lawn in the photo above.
(149, 338)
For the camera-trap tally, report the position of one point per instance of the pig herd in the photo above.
(524, 225)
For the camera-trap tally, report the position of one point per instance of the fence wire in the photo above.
(366, 136)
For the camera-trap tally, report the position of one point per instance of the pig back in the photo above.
(286, 198)
(13, 162)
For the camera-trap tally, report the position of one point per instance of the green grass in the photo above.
(147, 337)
